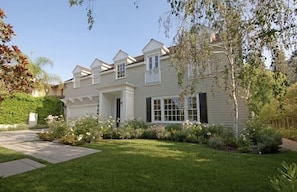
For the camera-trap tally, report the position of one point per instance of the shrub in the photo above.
(155, 132)
(126, 132)
(87, 128)
(244, 144)
(259, 138)
(16, 109)
(288, 133)
(286, 181)
(171, 127)
(136, 124)
(46, 136)
(57, 126)
(71, 140)
(216, 142)
(269, 141)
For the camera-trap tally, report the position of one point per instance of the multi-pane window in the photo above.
(121, 70)
(173, 110)
(192, 109)
(76, 80)
(96, 76)
(199, 70)
(153, 62)
(191, 70)
(157, 110)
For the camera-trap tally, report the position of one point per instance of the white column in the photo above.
(127, 112)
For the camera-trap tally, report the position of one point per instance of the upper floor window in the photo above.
(76, 80)
(191, 70)
(153, 61)
(199, 70)
(96, 76)
(121, 70)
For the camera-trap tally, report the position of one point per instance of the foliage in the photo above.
(14, 127)
(281, 113)
(43, 79)
(87, 128)
(15, 109)
(89, 9)
(57, 126)
(238, 30)
(259, 138)
(46, 136)
(288, 133)
(286, 181)
(14, 73)
(292, 63)
(151, 165)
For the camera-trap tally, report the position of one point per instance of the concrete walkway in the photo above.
(27, 142)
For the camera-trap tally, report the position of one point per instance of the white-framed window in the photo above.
(157, 110)
(171, 109)
(121, 71)
(192, 69)
(153, 70)
(153, 61)
(96, 76)
(192, 109)
(76, 81)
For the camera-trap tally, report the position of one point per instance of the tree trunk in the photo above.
(234, 97)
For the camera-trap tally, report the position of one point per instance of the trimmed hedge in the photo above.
(16, 109)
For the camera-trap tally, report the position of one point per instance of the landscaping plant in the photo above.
(286, 181)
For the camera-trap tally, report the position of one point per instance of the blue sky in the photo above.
(50, 28)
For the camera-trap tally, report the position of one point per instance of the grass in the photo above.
(149, 165)
(9, 155)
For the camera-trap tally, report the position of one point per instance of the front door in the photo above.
(118, 111)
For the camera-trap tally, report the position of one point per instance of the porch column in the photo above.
(128, 104)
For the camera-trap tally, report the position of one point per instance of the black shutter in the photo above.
(203, 108)
(149, 109)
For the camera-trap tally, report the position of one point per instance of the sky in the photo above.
(50, 28)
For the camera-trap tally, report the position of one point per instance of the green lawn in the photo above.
(149, 165)
(9, 155)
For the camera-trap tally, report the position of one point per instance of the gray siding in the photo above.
(220, 110)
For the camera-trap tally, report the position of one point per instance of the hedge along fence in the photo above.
(16, 109)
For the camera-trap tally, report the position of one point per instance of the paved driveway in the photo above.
(27, 142)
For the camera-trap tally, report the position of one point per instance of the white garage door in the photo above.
(74, 112)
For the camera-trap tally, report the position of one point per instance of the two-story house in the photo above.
(144, 87)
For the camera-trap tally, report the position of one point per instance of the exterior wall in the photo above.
(133, 92)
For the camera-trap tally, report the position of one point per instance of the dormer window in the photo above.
(191, 69)
(96, 76)
(76, 80)
(153, 61)
(121, 71)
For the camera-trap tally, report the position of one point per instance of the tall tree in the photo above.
(238, 29)
(14, 73)
(43, 79)
(292, 63)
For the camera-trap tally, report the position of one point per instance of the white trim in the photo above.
(124, 71)
(80, 98)
(84, 105)
(93, 76)
(185, 108)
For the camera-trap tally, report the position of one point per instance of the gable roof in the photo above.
(81, 69)
(155, 45)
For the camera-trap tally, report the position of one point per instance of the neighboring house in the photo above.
(54, 90)
(144, 87)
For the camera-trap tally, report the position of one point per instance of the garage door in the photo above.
(74, 112)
